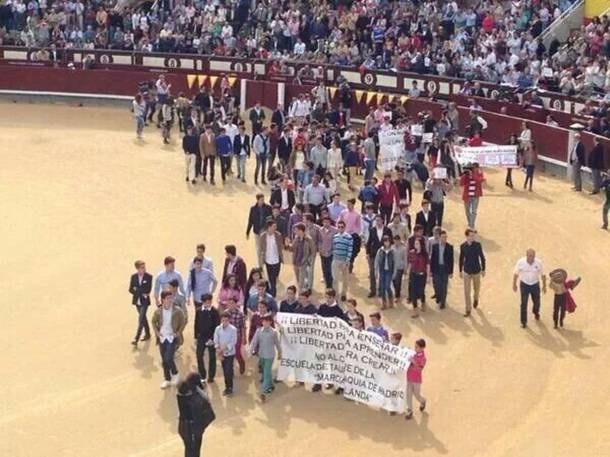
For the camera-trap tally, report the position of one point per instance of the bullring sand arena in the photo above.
(82, 199)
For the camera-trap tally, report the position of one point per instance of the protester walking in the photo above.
(417, 271)
(168, 323)
(271, 254)
(441, 268)
(260, 145)
(140, 285)
(207, 149)
(207, 319)
(472, 268)
(530, 158)
(374, 242)
(471, 181)
(529, 272)
(225, 341)
(342, 245)
(266, 345)
(190, 146)
(414, 378)
(325, 248)
(257, 220)
(303, 255)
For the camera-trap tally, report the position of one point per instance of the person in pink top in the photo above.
(414, 378)
(230, 289)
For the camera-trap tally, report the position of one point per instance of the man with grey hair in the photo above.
(529, 271)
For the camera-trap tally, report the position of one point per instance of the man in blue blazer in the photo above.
(140, 286)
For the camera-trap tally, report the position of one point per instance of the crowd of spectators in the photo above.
(491, 40)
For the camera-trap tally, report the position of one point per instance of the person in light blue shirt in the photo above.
(336, 207)
(225, 342)
(315, 196)
(261, 296)
(318, 155)
(164, 277)
(200, 281)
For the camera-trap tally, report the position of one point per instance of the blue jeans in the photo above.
(470, 207)
(385, 284)
(139, 124)
(327, 270)
(167, 351)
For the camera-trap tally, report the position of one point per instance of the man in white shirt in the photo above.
(529, 272)
(168, 323)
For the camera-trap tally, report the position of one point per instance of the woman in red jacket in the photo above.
(387, 193)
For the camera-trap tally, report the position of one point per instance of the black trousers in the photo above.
(559, 309)
(201, 348)
(227, 370)
(356, 246)
(211, 160)
(439, 209)
(526, 291)
(191, 437)
(198, 165)
(314, 210)
(386, 212)
(273, 271)
(142, 322)
(225, 163)
(397, 282)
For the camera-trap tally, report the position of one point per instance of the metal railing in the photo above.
(561, 27)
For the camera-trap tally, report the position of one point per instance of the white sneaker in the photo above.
(165, 384)
(175, 379)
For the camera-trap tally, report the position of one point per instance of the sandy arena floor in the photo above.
(81, 199)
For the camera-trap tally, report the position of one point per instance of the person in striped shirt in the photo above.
(342, 246)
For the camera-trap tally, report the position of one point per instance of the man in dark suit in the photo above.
(241, 150)
(283, 197)
(257, 116)
(284, 148)
(426, 218)
(207, 319)
(441, 267)
(472, 268)
(596, 164)
(140, 286)
(375, 240)
(577, 160)
(278, 118)
(257, 220)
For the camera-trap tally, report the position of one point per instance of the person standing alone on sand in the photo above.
(472, 267)
(414, 378)
(529, 271)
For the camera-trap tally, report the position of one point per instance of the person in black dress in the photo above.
(195, 413)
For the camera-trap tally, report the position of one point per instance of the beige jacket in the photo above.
(178, 322)
(278, 243)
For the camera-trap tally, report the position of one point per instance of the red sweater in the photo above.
(388, 195)
(465, 180)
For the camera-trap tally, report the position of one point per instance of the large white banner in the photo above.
(488, 156)
(328, 351)
(391, 148)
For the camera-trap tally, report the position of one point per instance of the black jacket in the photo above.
(138, 290)
(374, 243)
(278, 118)
(326, 310)
(472, 259)
(596, 157)
(190, 144)
(284, 148)
(237, 144)
(195, 411)
(276, 198)
(447, 259)
(429, 224)
(580, 153)
(258, 218)
(404, 189)
(206, 322)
